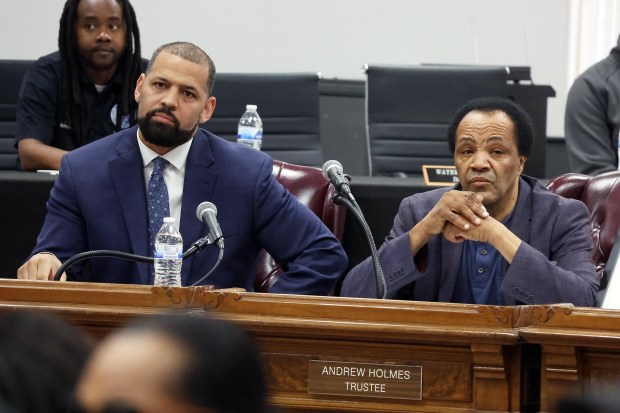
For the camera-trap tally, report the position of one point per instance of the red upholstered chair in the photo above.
(311, 188)
(601, 194)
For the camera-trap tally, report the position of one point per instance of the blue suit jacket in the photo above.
(99, 202)
(552, 265)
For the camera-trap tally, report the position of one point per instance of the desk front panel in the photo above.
(470, 356)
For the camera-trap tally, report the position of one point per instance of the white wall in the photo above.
(335, 37)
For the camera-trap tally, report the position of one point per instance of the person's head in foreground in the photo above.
(41, 358)
(174, 363)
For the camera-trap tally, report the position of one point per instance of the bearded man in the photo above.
(105, 192)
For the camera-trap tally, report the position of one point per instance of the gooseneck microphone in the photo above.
(333, 171)
(207, 213)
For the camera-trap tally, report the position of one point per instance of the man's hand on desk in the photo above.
(41, 266)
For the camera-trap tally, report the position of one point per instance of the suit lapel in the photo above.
(199, 184)
(127, 174)
(520, 224)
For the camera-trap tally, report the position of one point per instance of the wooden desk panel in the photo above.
(470, 355)
(580, 350)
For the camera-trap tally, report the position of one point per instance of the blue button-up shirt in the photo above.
(481, 273)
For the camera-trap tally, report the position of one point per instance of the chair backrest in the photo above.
(408, 110)
(601, 194)
(311, 188)
(288, 105)
(11, 75)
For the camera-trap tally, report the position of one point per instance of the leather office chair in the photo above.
(601, 194)
(288, 105)
(11, 75)
(409, 108)
(311, 188)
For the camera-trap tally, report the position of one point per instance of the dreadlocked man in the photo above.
(84, 91)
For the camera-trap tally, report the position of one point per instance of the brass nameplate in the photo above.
(437, 175)
(365, 380)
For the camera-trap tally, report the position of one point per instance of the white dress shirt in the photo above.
(174, 173)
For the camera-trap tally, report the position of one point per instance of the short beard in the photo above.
(161, 134)
(89, 61)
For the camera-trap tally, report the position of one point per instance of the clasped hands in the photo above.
(460, 216)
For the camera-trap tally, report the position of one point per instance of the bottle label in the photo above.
(246, 132)
(169, 252)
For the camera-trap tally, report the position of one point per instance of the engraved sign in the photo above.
(437, 175)
(365, 380)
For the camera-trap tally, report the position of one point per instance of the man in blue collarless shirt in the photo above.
(495, 238)
(481, 273)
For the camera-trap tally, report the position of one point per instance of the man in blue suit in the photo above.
(497, 237)
(99, 200)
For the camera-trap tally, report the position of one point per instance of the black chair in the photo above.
(288, 105)
(409, 108)
(11, 75)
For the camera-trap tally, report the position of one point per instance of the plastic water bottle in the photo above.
(168, 255)
(250, 130)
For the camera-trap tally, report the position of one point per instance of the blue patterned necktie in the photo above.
(159, 206)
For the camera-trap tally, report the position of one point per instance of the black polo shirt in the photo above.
(41, 109)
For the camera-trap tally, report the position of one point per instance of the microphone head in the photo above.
(203, 207)
(329, 165)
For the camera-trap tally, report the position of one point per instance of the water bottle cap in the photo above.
(169, 219)
(251, 107)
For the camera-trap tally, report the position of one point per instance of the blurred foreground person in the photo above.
(600, 401)
(174, 363)
(41, 358)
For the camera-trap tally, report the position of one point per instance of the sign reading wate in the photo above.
(365, 380)
(438, 175)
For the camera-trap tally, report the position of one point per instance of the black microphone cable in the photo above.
(220, 244)
(357, 211)
(100, 253)
(196, 246)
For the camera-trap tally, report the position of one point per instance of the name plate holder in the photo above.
(439, 175)
(365, 380)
